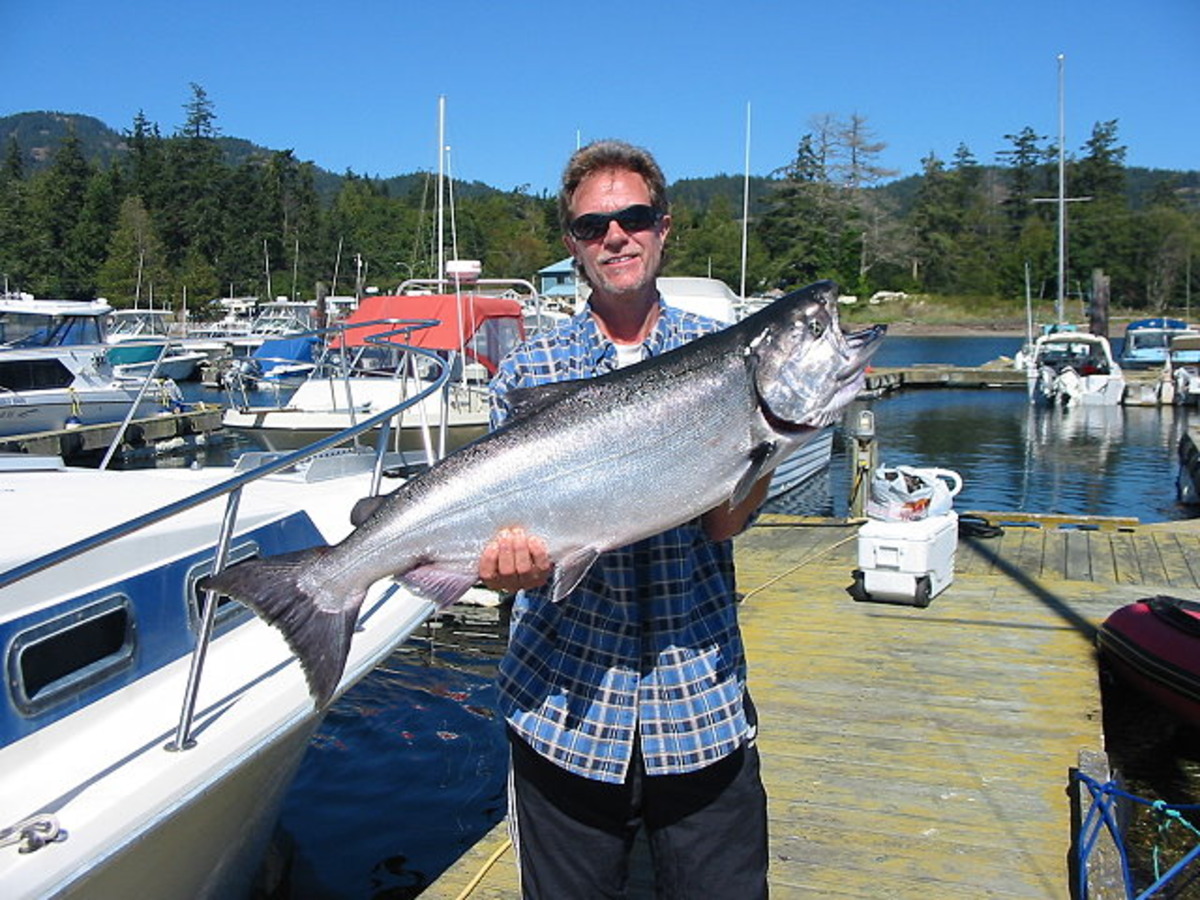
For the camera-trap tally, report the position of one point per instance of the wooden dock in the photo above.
(922, 753)
(73, 443)
(993, 375)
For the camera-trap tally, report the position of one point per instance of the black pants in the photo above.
(707, 829)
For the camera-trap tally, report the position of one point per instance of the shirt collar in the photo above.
(603, 352)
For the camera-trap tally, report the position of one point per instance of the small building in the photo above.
(558, 282)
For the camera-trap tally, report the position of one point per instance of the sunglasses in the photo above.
(591, 226)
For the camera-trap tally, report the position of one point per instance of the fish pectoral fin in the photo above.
(569, 571)
(760, 456)
(365, 508)
(440, 586)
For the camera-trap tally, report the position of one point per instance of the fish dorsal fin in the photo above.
(439, 585)
(569, 571)
(526, 401)
(759, 457)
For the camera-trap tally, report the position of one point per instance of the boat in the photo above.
(364, 371)
(137, 337)
(148, 730)
(709, 297)
(1073, 368)
(1183, 364)
(1154, 646)
(55, 371)
(1147, 341)
(284, 362)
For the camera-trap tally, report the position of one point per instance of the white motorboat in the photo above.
(136, 338)
(1184, 368)
(148, 733)
(364, 372)
(55, 372)
(1073, 368)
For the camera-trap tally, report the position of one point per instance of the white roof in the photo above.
(704, 296)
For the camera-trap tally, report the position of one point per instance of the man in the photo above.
(626, 701)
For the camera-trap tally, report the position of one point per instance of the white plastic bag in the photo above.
(906, 494)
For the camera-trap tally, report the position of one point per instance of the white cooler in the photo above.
(905, 562)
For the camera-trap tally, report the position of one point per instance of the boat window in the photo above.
(228, 609)
(41, 330)
(33, 374)
(60, 658)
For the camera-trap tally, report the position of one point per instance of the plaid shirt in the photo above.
(649, 640)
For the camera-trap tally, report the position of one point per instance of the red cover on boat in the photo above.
(486, 326)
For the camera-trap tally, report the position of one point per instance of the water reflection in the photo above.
(1117, 461)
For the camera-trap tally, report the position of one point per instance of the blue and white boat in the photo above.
(149, 731)
(1147, 341)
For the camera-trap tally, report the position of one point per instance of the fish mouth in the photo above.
(861, 346)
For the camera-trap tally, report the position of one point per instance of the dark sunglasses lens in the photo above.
(590, 226)
(636, 218)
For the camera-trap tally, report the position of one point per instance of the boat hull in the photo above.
(1154, 645)
(90, 742)
(802, 465)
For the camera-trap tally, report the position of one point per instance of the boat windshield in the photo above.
(18, 329)
(1083, 357)
(1148, 339)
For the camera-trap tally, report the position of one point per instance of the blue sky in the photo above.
(354, 84)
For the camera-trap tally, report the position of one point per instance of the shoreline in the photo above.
(930, 329)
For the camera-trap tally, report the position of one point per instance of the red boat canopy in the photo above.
(486, 328)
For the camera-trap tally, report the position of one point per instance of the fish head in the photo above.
(806, 369)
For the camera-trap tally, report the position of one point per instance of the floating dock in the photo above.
(1139, 383)
(74, 443)
(922, 753)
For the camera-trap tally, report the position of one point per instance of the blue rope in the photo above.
(1100, 815)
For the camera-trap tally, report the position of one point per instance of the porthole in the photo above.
(64, 656)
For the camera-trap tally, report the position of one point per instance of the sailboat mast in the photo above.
(441, 213)
(746, 204)
(1062, 197)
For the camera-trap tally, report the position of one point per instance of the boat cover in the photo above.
(486, 328)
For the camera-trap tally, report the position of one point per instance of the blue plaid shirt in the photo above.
(649, 640)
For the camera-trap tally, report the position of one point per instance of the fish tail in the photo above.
(316, 617)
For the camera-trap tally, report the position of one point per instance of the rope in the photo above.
(1101, 815)
(491, 861)
(33, 833)
(800, 565)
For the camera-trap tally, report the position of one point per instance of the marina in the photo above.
(909, 745)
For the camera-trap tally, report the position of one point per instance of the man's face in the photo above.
(618, 262)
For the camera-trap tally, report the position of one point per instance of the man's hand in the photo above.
(514, 560)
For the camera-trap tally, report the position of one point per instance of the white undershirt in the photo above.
(628, 354)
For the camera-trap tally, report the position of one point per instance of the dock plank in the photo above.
(1174, 559)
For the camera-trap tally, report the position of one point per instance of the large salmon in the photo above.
(586, 465)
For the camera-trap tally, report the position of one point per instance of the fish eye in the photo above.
(815, 328)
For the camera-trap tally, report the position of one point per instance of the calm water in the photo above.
(408, 768)
(1105, 462)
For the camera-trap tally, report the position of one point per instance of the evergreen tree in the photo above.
(135, 268)
(1100, 232)
(56, 204)
(16, 253)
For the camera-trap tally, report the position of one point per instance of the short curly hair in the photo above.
(608, 155)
